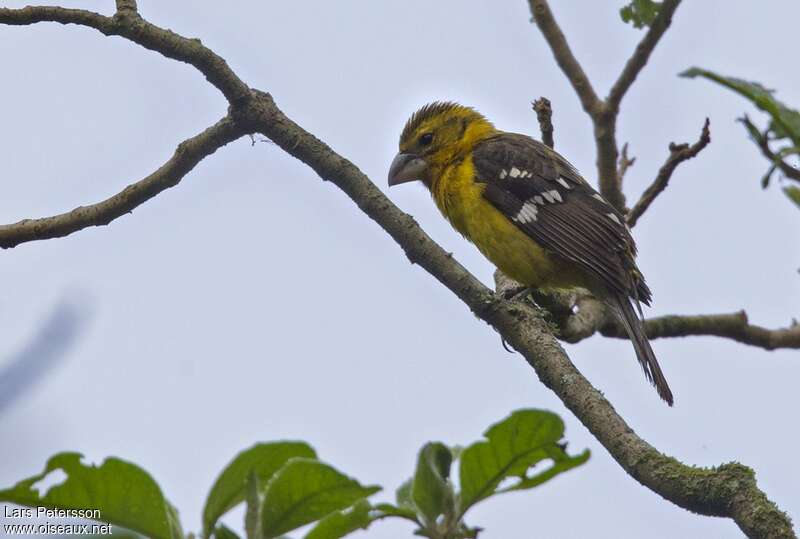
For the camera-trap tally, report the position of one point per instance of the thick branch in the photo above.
(678, 153)
(563, 55)
(128, 24)
(544, 114)
(186, 156)
(642, 53)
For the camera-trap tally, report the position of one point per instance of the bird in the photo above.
(529, 211)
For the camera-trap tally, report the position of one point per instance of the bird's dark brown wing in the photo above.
(547, 198)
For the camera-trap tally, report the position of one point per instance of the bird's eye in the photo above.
(426, 139)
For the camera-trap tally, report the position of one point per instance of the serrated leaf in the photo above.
(640, 13)
(793, 193)
(511, 448)
(305, 490)
(123, 493)
(430, 490)
(785, 121)
(341, 523)
(263, 460)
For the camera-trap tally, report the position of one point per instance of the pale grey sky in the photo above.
(254, 302)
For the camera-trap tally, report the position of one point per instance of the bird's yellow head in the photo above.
(436, 135)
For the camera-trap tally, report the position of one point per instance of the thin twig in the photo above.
(642, 53)
(762, 140)
(544, 114)
(563, 55)
(188, 154)
(625, 163)
(126, 5)
(678, 153)
(734, 326)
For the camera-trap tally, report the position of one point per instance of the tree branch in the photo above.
(642, 53)
(544, 114)
(625, 163)
(733, 326)
(729, 490)
(579, 315)
(186, 156)
(563, 55)
(603, 113)
(678, 153)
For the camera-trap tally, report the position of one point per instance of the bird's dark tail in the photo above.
(626, 315)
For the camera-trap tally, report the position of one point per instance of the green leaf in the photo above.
(263, 460)
(123, 493)
(341, 523)
(252, 513)
(388, 509)
(305, 490)
(793, 193)
(403, 495)
(430, 489)
(640, 13)
(224, 532)
(512, 447)
(561, 463)
(785, 121)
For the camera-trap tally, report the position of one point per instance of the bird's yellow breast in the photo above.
(460, 199)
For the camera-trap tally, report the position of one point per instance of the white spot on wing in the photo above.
(598, 197)
(514, 172)
(503, 174)
(539, 200)
(548, 196)
(556, 195)
(614, 218)
(563, 182)
(527, 213)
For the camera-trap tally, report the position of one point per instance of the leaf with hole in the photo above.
(512, 447)
(123, 493)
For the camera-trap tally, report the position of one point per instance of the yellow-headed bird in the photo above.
(528, 211)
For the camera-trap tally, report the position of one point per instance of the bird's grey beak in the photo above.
(406, 167)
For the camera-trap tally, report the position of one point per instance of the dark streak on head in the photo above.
(427, 112)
